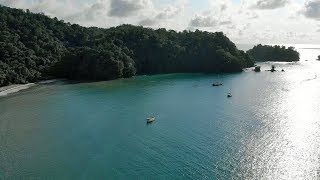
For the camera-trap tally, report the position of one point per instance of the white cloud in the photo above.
(203, 21)
(286, 21)
(165, 14)
(270, 4)
(147, 22)
(227, 22)
(311, 9)
(124, 8)
(168, 12)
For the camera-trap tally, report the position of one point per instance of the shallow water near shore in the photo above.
(269, 129)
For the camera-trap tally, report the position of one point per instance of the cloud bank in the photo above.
(244, 21)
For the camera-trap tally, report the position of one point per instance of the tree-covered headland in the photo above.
(274, 53)
(35, 47)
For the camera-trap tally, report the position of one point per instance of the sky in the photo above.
(243, 21)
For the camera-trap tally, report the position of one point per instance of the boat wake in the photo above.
(310, 79)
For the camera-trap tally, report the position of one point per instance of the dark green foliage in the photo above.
(274, 53)
(27, 47)
(34, 47)
(162, 51)
(92, 64)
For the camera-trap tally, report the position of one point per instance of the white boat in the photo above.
(150, 120)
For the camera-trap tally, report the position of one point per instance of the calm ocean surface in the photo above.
(269, 129)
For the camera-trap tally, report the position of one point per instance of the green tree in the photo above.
(35, 47)
(274, 53)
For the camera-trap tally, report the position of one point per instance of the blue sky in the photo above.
(243, 21)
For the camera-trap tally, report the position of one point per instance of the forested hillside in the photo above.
(274, 53)
(34, 47)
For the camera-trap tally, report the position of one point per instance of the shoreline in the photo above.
(7, 90)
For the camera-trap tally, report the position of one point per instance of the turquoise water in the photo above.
(269, 129)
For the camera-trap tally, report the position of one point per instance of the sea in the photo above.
(268, 129)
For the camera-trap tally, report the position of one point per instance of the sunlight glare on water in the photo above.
(269, 129)
(289, 145)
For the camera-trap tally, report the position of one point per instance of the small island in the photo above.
(257, 69)
(262, 53)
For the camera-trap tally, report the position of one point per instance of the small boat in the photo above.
(229, 95)
(150, 120)
(217, 84)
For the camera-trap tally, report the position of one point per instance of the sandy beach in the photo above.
(6, 90)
